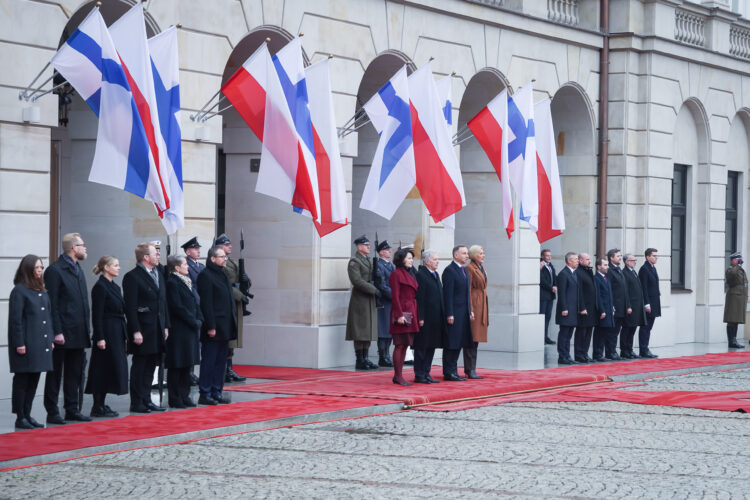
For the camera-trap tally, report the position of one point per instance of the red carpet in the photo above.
(282, 372)
(16, 445)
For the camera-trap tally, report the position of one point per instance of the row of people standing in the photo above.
(418, 309)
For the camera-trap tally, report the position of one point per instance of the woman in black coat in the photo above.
(182, 343)
(108, 369)
(29, 337)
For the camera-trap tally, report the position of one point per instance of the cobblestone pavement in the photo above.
(522, 450)
(730, 380)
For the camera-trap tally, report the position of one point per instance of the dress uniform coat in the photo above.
(30, 325)
(232, 270)
(108, 370)
(479, 303)
(362, 321)
(383, 272)
(186, 319)
(736, 298)
(194, 269)
(145, 310)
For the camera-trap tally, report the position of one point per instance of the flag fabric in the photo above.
(256, 93)
(488, 128)
(166, 70)
(551, 213)
(129, 36)
(122, 158)
(521, 158)
(438, 172)
(330, 172)
(392, 174)
(444, 91)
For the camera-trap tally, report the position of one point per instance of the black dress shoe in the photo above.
(564, 361)
(55, 419)
(369, 364)
(733, 344)
(648, 354)
(23, 424)
(97, 411)
(400, 382)
(109, 412)
(582, 360)
(33, 422)
(235, 376)
(614, 357)
(431, 380)
(189, 403)
(176, 404)
(151, 406)
(600, 359)
(139, 409)
(207, 400)
(421, 380)
(452, 377)
(472, 375)
(219, 398)
(549, 341)
(77, 417)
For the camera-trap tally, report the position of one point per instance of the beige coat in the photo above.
(736, 300)
(479, 303)
(362, 319)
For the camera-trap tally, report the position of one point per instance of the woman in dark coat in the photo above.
(108, 370)
(432, 317)
(29, 337)
(404, 318)
(182, 342)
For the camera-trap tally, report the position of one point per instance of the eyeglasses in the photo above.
(220, 257)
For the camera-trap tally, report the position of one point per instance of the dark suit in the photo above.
(547, 280)
(586, 300)
(68, 295)
(567, 300)
(146, 312)
(604, 341)
(432, 311)
(651, 296)
(220, 314)
(457, 302)
(620, 299)
(638, 316)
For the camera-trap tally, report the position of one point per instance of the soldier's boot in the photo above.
(233, 374)
(360, 364)
(732, 337)
(368, 364)
(383, 358)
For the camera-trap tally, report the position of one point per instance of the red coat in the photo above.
(404, 294)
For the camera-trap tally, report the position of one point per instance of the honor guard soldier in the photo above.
(193, 252)
(736, 299)
(362, 319)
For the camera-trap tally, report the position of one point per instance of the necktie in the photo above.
(463, 270)
(434, 273)
(155, 276)
(575, 278)
(605, 277)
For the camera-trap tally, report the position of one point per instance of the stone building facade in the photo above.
(679, 122)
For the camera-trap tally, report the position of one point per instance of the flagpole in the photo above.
(194, 117)
(22, 94)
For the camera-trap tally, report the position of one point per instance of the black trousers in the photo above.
(450, 361)
(600, 341)
(213, 367)
(644, 334)
(563, 341)
(423, 362)
(178, 384)
(626, 338)
(613, 333)
(142, 378)
(24, 389)
(582, 341)
(67, 367)
(545, 306)
(470, 358)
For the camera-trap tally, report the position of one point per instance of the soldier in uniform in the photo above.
(735, 305)
(362, 320)
(193, 252)
(383, 270)
(232, 270)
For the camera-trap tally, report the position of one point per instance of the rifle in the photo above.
(245, 282)
(375, 263)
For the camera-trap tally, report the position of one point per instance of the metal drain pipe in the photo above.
(601, 226)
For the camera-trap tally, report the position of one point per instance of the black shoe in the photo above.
(235, 376)
(452, 377)
(472, 375)
(648, 354)
(564, 361)
(409, 362)
(97, 411)
(733, 344)
(549, 341)
(33, 422)
(176, 404)
(139, 409)
(370, 365)
(400, 382)
(23, 424)
(614, 357)
(207, 400)
(77, 417)
(109, 412)
(151, 406)
(600, 359)
(624, 354)
(189, 403)
(55, 419)
(582, 360)
(219, 398)
(421, 380)
(431, 380)
(385, 362)
(193, 380)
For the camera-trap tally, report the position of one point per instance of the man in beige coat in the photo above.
(362, 319)
(735, 306)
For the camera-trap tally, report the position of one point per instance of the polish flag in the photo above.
(487, 126)
(330, 172)
(444, 97)
(438, 172)
(256, 93)
(551, 213)
(521, 157)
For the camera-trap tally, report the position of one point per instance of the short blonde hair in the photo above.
(69, 241)
(474, 251)
(142, 250)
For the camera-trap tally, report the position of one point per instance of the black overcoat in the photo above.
(546, 282)
(457, 302)
(431, 310)
(650, 284)
(108, 370)
(30, 325)
(69, 297)
(186, 318)
(587, 297)
(145, 310)
(635, 294)
(604, 301)
(619, 291)
(567, 298)
(217, 304)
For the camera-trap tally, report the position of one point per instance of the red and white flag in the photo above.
(551, 213)
(488, 128)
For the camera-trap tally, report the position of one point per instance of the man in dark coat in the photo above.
(619, 295)
(568, 307)
(145, 294)
(603, 343)
(219, 326)
(68, 294)
(383, 269)
(457, 302)
(735, 305)
(637, 316)
(652, 297)
(432, 311)
(587, 309)
(547, 290)
(362, 319)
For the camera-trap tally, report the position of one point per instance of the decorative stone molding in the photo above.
(689, 28)
(491, 3)
(739, 42)
(563, 11)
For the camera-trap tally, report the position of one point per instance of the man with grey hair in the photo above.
(637, 316)
(567, 307)
(432, 314)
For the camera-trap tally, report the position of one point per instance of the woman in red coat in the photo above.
(404, 319)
